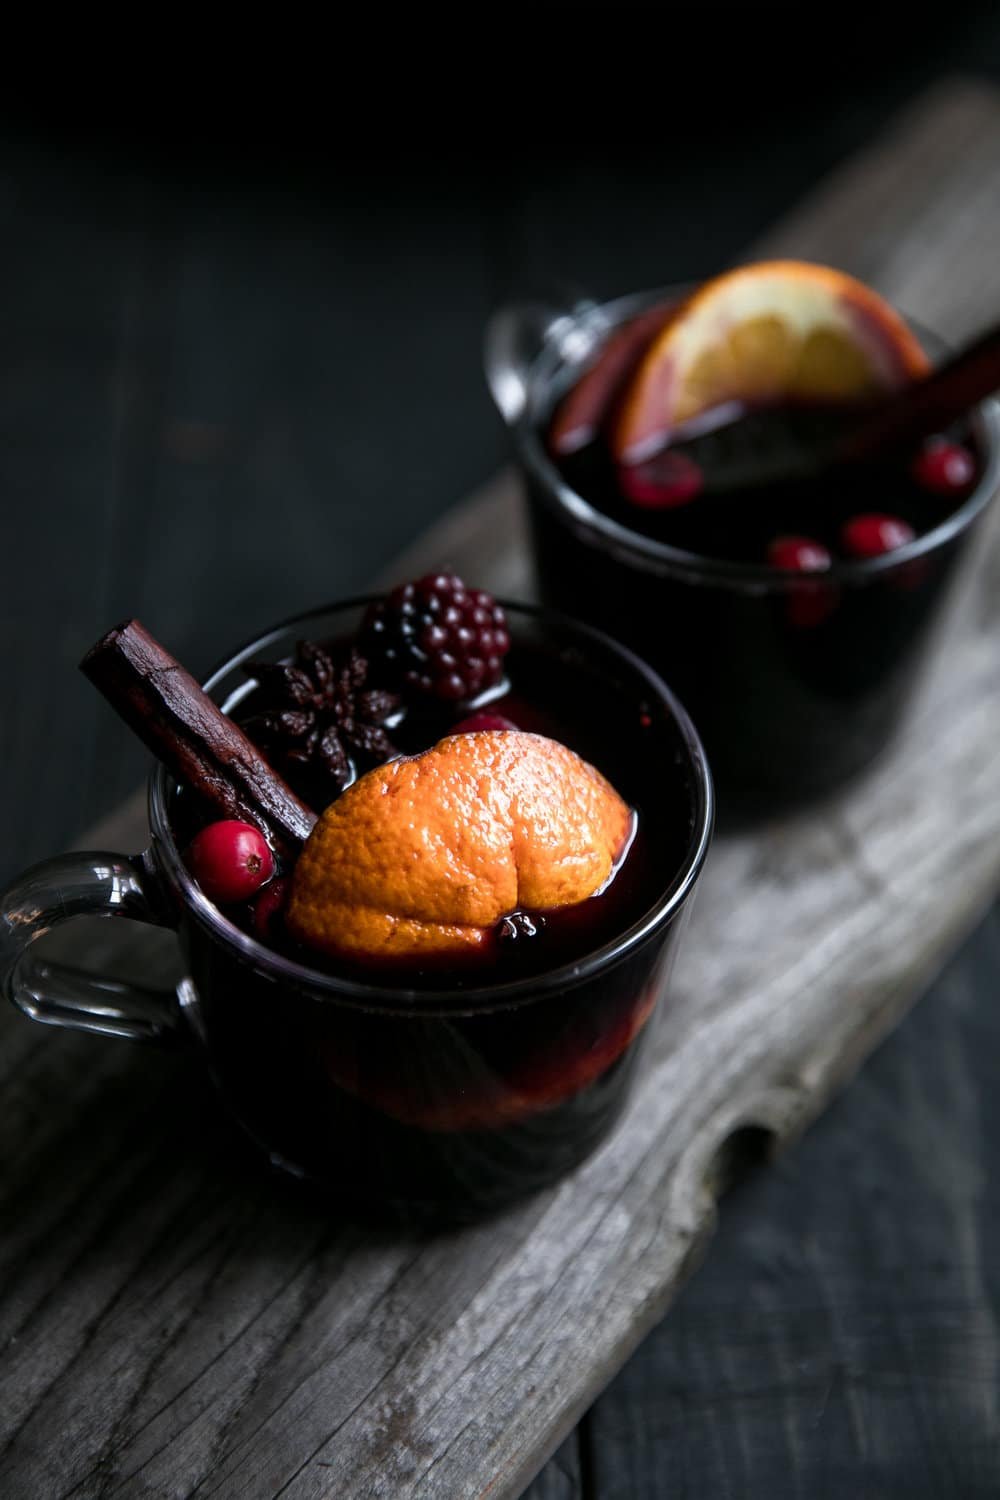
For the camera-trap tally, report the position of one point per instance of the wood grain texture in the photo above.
(840, 1337)
(177, 1325)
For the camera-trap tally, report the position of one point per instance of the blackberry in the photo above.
(436, 639)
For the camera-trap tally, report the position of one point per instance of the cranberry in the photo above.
(476, 723)
(944, 468)
(268, 907)
(663, 481)
(230, 860)
(873, 535)
(798, 554)
(810, 602)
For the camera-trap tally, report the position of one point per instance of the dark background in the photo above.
(241, 308)
(240, 371)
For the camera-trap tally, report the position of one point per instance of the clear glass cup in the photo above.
(413, 1103)
(786, 713)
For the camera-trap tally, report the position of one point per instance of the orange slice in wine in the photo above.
(781, 331)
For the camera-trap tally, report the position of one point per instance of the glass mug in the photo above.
(441, 1104)
(786, 714)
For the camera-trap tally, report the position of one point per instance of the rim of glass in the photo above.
(548, 363)
(480, 998)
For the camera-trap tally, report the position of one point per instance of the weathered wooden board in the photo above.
(176, 1325)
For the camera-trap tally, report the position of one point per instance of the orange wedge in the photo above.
(765, 334)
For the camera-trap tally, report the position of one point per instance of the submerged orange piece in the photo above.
(425, 855)
(780, 330)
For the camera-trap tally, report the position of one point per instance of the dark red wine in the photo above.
(740, 524)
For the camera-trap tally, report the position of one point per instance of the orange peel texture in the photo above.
(424, 855)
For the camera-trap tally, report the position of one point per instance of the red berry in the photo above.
(944, 468)
(663, 481)
(873, 535)
(798, 554)
(807, 603)
(267, 907)
(477, 723)
(230, 860)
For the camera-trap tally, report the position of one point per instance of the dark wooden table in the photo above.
(230, 391)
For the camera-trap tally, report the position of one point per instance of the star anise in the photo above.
(317, 720)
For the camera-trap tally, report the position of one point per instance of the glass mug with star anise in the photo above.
(440, 1095)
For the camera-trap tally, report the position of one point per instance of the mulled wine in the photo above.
(449, 1083)
(792, 618)
(681, 496)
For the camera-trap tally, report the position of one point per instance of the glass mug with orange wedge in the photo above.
(427, 903)
(673, 445)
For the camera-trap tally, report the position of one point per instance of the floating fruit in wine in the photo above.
(230, 860)
(430, 853)
(775, 333)
(692, 483)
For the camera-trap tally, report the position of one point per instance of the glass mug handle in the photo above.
(518, 333)
(82, 885)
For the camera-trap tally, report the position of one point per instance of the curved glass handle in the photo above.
(82, 885)
(517, 334)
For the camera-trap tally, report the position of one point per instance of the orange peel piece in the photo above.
(425, 854)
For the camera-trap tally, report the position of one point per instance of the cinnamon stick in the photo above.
(190, 734)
